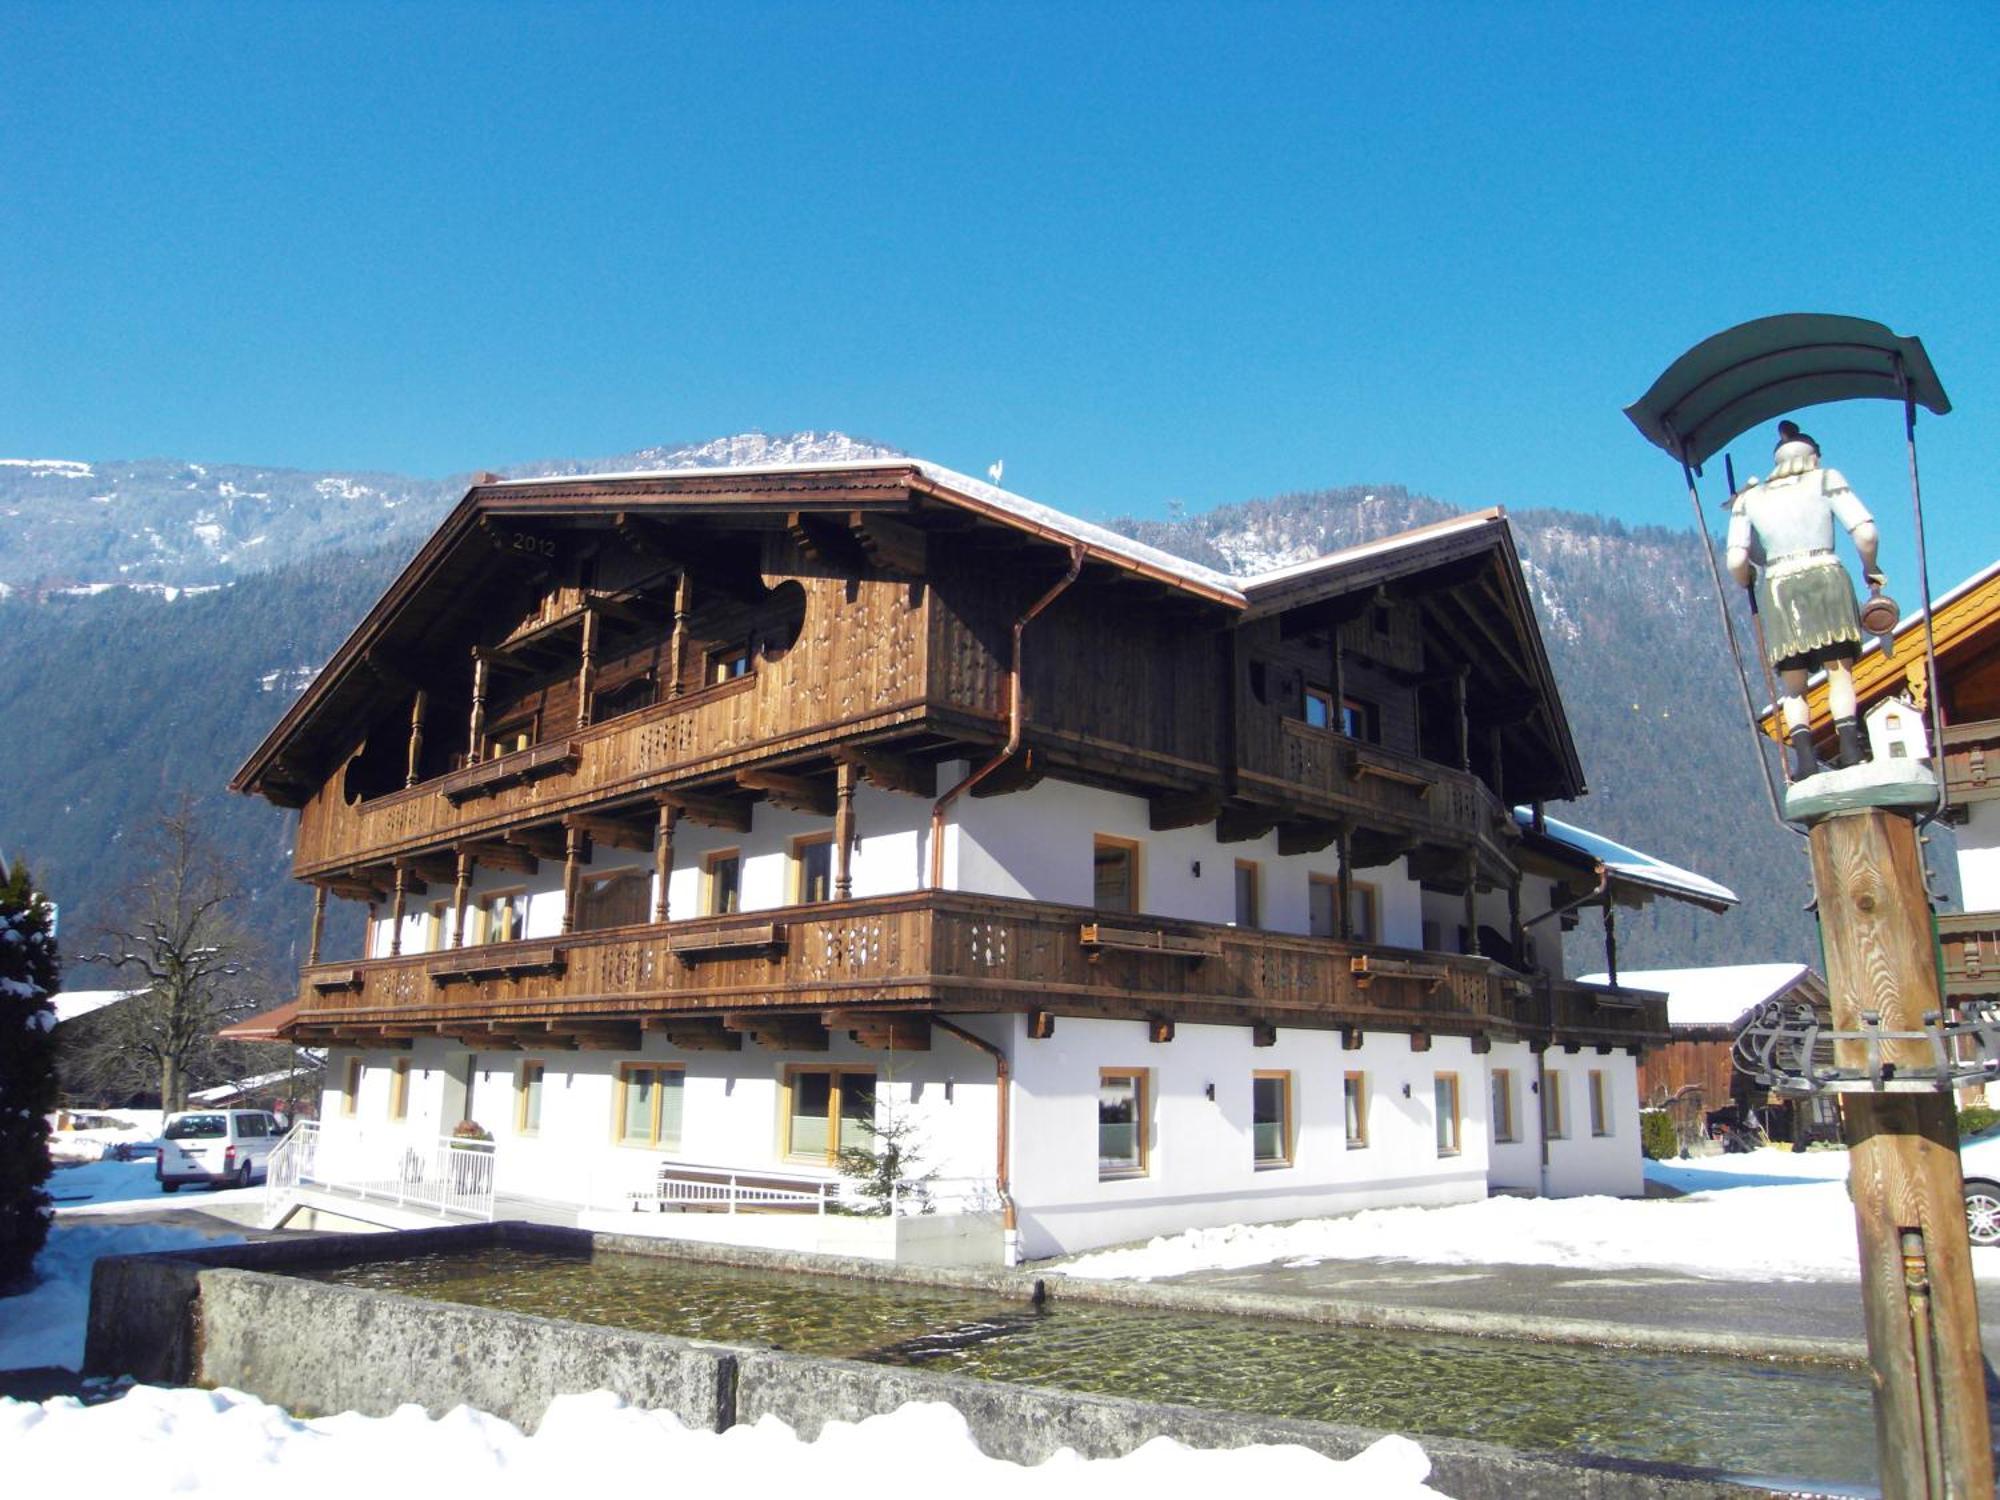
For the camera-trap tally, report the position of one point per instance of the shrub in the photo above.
(1973, 1118)
(1657, 1136)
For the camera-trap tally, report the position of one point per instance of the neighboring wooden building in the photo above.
(706, 819)
(1966, 626)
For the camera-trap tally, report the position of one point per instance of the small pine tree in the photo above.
(28, 976)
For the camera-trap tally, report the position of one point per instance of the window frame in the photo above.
(1354, 1108)
(1134, 852)
(1142, 1131)
(1255, 871)
(522, 1088)
(709, 864)
(1315, 883)
(484, 904)
(836, 1112)
(716, 661)
(399, 1090)
(1555, 1124)
(600, 879)
(350, 1088)
(437, 926)
(1505, 1132)
(797, 859)
(1361, 720)
(1323, 696)
(1287, 1141)
(1368, 894)
(527, 726)
(1600, 1105)
(1444, 1086)
(653, 1140)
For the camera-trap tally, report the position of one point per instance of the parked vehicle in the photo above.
(221, 1147)
(1979, 1161)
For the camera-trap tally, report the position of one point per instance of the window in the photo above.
(1115, 874)
(627, 697)
(1444, 1091)
(503, 916)
(1354, 1088)
(437, 926)
(399, 1089)
(1322, 902)
(828, 1111)
(1600, 1113)
(1552, 1106)
(722, 882)
(617, 898)
(1319, 708)
(350, 1086)
(1271, 1120)
(1247, 879)
(812, 868)
(1503, 1105)
(726, 663)
(649, 1105)
(1121, 1122)
(528, 1098)
(1360, 720)
(510, 737)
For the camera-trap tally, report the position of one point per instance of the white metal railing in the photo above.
(442, 1174)
(673, 1186)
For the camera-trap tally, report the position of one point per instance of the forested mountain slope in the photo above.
(117, 701)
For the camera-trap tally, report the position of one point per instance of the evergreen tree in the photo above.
(28, 976)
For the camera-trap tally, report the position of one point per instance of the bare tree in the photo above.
(178, 936)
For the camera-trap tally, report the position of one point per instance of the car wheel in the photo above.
(242, 1176)
(1982, 1211)
(169, 1187)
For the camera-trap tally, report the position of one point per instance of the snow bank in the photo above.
(44, 1325)
(125, 1127)
(224, 1445)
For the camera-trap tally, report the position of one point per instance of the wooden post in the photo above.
(586, 672)
(663, 858)
(1517, 935)
(1339, 724)
(402, 890)
(1611, 939)
(572, 855)
(318, 924)
(417, 707)
(843, 832)
(1497, 760)
(1464, 720)
(476, 751)
(1917, 1292)
(461, 888)
(368, 934)
(1343, 889)
(677, 647)
(1471, 895)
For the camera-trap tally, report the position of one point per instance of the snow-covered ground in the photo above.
(1761, 1215)
(97, 1188)
(44, 1325)
(225, 1445)
(127, 1127)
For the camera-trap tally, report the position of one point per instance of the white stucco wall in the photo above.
(1516, 1164)
(1979, 857)
(1580, 1161)
(1200, 1169)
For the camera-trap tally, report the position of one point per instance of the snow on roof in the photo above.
(242, 1086)
(70, 1004)
(1046, 517)
(1629, 864)
(1715, 996)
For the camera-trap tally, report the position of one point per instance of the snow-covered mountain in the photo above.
(67, 523)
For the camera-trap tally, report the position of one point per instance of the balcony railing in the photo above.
(440, 1175)
(966, 952)
(1970, 945)
(1972, 760)
(1379, 788)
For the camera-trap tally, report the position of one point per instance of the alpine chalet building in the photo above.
(711, 822)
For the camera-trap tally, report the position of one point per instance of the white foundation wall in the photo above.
(1581, 1160)
(1200, 1170)
(1979, 857)
(730, 1109)
(1516, 1163)
(1038, 845)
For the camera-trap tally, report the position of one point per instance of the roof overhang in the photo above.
(1631, 876)
(1727, 384)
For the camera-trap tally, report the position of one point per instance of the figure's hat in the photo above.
(1788, 432)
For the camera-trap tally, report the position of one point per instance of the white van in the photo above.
(221, 1147)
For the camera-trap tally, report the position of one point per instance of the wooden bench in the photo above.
(685, 1188)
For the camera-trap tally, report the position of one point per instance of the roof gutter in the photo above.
(1016, 721)
(1003, 1114)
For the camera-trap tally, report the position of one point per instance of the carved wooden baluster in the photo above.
(843, 833)
(401, 894)
(318, 924)
(417, 706)
(461, 889)
(572, 855)
(477, 750)
(587, 672)
(1344, 887)
(677, 647)
(663, 858)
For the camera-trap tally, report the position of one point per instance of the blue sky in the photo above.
(1144, 253)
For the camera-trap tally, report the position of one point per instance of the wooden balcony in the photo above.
(1972, 761)
(945, 951)
(701, 734)
(1970, 944)
(1409, 800)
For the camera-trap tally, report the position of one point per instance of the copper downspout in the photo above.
(1003, 1116)
(1015, 723)
(1603, 889)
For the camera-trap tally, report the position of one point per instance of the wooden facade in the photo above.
(580, 663)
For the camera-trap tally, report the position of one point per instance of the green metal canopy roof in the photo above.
(1727, 384)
